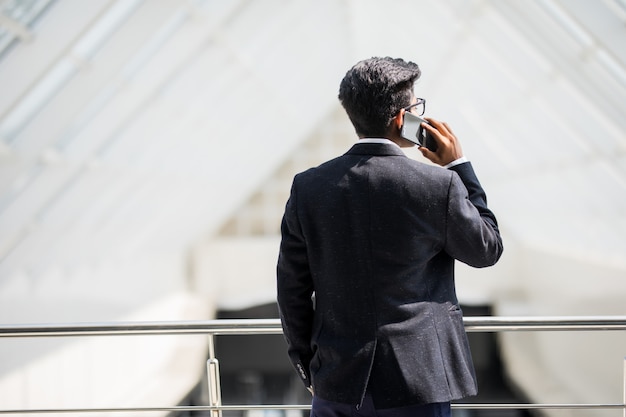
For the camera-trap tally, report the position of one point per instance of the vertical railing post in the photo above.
(213, 377)
(624, 398)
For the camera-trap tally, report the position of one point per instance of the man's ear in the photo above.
(399, 119)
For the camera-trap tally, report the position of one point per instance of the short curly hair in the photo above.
(374, 90)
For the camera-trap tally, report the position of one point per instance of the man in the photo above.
(365, 273)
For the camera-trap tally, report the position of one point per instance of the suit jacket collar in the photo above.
(378, 149)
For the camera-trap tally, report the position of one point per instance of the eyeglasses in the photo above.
(420, 107)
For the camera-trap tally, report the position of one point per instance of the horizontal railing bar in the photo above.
(467, 406)
(272, 326)
(544, 323)
(216, 327)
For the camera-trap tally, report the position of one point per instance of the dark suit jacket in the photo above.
(373, 235)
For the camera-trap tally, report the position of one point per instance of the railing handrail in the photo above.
(272, 326)
(303, 407)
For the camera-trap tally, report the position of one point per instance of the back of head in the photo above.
(374, 90)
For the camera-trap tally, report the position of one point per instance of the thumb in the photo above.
(428, 154)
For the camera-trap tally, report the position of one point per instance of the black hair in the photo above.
(374, 90)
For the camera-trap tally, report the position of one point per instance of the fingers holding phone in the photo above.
(448, 148)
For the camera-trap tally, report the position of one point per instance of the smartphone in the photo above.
(413, 131)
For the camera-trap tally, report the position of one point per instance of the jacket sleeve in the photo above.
(295, 290)
(472, 234)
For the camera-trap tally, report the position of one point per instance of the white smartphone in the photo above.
(413, 131)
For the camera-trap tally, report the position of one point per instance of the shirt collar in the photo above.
(378, 140)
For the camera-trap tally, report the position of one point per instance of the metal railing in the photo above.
(214, 328)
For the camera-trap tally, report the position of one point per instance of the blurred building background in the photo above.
(147, 150)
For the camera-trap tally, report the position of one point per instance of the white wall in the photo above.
(107, 371)
(566, 367)
(240, 271)
(118, 371)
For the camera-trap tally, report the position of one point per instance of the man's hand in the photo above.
(448, 146)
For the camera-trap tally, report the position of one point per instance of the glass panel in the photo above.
(16, 16)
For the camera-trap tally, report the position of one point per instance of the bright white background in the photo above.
(131, 131)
